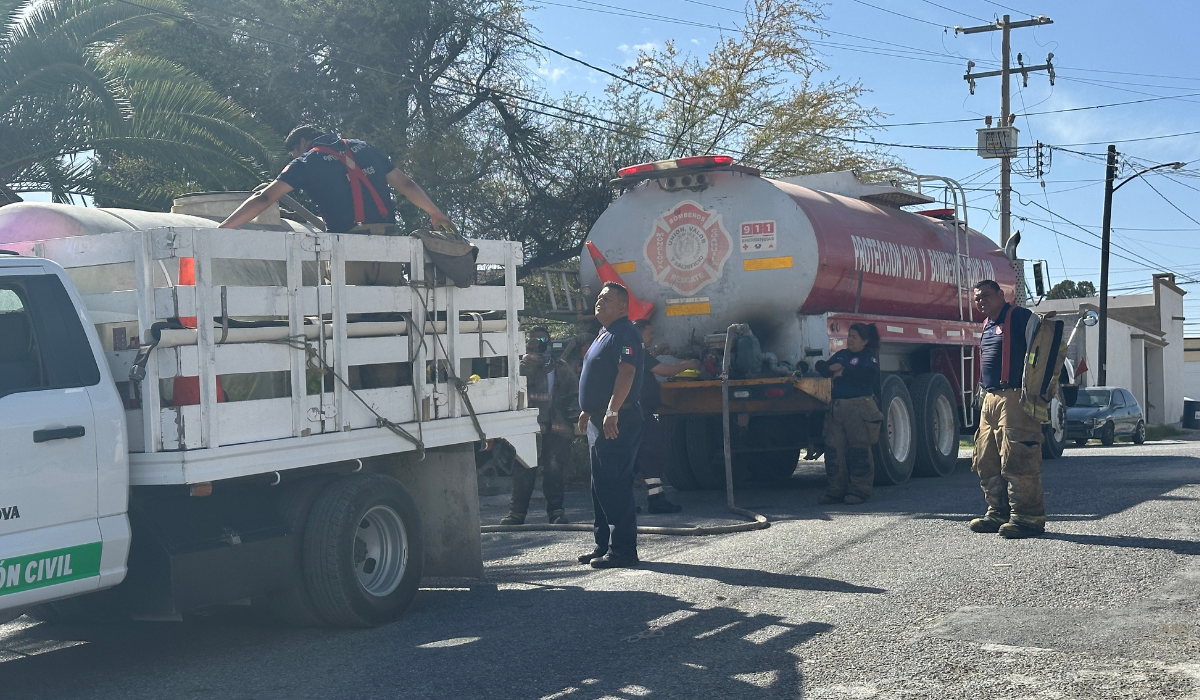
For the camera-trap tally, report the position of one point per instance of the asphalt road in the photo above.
(892, 599)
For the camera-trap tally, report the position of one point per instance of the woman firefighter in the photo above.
(852, 427)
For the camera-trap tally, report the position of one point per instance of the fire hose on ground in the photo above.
(760, 522)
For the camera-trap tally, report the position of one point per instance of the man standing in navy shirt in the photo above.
(1008, 441)
(347, 178)
(608, 396)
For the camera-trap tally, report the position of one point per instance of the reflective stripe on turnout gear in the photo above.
(358, 180)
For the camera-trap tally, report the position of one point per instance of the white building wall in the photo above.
(1171, 309)
(1191, 380)
(1120, 363)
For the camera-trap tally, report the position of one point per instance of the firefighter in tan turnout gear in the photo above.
(1008, 442)
(553, 387)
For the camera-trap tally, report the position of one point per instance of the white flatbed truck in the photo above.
(116, 502)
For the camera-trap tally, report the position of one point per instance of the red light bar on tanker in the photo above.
(676, 163)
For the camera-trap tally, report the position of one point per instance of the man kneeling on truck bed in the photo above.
(335, 172)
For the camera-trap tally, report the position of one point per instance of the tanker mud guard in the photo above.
(760, 521)
(452, 255)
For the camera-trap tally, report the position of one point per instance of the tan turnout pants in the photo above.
(850, 430)
(1008, 459)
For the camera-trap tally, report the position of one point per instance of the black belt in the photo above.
(997, 390)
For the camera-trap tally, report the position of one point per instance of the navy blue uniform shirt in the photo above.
(1022, 329)
(860, 374)
(324, 178)
(620, 342)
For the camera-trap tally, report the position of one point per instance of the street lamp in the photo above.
(1111, 175)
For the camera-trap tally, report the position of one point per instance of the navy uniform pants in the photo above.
(612, 482)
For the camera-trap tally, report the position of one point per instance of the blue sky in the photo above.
(922, 81)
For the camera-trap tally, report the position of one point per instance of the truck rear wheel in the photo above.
(895, 453)
(775, 466)
(706, 454)
(679, 468)
(293, 605)
(363, 551)
(936, 424)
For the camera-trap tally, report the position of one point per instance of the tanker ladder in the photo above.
(956, 218)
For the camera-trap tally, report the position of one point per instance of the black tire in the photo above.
(1139, 433)
(776, 466)
(1109, 435)
(293, 605)
(937, 425)
(348, 513)
(1080, 442)
(705, 449)
(894, 462)
(679, 468)
(1054, 442)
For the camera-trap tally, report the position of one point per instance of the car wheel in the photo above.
(1080, 442)
(1139, 433)
(1109, 436)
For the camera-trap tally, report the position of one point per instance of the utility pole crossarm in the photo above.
(1005, 26)
(999, 25)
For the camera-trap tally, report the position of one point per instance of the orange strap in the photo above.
(358, 180)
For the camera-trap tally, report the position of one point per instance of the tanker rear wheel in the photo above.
(706, 454)
(936, 425)
(775, 466)
(895, 453)
(679, 468)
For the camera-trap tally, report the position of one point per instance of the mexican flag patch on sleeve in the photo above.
(627, 351)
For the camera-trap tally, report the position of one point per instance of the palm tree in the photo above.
(70, 99)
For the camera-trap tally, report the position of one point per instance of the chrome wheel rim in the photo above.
(899, 429)
(944, 426)
(380, 551)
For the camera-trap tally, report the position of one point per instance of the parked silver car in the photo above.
(1105, 413)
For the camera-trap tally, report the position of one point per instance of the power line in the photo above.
(957, 12)
(1173, 205)
(901, 14)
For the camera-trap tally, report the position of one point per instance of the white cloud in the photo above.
(631, 52)
(551, 74)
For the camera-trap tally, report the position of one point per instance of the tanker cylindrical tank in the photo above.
(746, 249)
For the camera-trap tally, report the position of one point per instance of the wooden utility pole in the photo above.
(1110, 174)
(1006, 117)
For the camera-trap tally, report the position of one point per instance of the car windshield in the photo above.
(1093, 398)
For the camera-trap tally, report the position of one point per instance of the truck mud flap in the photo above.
(191, 553)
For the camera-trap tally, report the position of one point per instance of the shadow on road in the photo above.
(541, 642)
(1186, 547)
(757, 578)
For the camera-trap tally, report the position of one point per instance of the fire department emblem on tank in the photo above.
(688, 247)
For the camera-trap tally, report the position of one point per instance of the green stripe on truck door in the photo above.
(30, 571)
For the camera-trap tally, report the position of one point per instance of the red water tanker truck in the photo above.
(712, 244)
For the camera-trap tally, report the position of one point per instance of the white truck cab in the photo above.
(292, 422)
(63, 523)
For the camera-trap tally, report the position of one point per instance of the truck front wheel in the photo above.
(363, 551)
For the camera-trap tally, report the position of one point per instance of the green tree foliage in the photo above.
(444, 88)
(70, 99)
(1069, 289)
(754, 96)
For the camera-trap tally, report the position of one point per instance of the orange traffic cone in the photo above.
(187, 389)
(637, 309)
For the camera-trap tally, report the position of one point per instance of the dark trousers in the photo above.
(612, 482)
(554, 453)
(653, 448)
